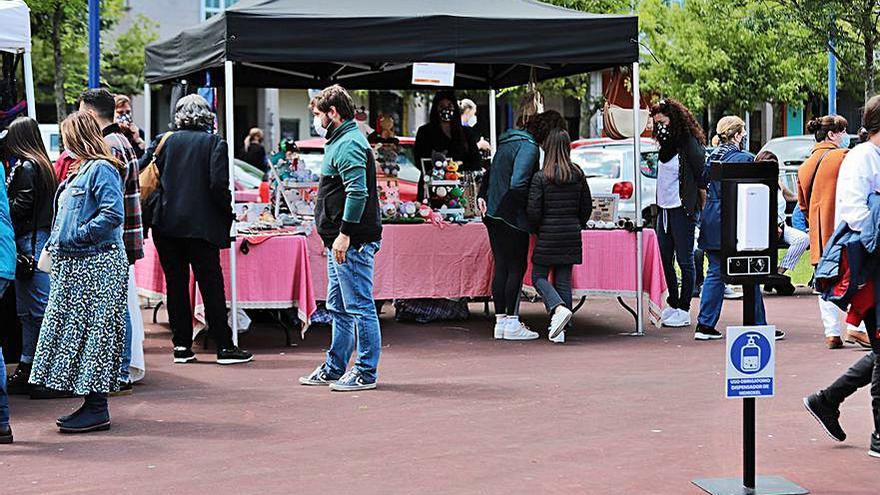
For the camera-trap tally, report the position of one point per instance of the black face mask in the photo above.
(447, 114)
(661, 133)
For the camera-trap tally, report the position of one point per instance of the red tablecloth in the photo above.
(275, 274)
(426, 261)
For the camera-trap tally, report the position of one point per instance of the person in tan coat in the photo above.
(817, 194)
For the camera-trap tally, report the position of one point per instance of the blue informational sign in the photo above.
(751, 362)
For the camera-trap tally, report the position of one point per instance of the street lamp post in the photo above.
(94, 44)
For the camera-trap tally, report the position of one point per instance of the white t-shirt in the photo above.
(859, 177)
(668, 196)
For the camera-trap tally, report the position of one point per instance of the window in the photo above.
(211, 7)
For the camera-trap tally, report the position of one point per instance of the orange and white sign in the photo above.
(433, 74)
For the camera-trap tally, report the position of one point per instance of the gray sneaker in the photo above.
(352, 381)
(318, 377)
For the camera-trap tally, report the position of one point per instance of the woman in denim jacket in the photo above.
(82, 337)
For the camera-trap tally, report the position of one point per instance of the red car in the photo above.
(312, 151)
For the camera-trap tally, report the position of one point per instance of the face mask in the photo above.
(744, 143)
(661, 132)
(447, 114)
(845, 141)
(319, 126)
(472, 121)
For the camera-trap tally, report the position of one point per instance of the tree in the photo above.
(850, 28)
(59, 29)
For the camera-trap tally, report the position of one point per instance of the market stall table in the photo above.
(274, 274)
(428, 261)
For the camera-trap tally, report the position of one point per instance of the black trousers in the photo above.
(510, 247)
(177, 255)
(865, 371)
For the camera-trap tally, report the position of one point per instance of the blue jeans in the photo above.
(353, 311)
(713, 295)
(125, 365)
(31, 297)
(675, 236)
(559, 292)
(4, 399)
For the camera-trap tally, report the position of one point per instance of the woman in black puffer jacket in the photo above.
(559, 206)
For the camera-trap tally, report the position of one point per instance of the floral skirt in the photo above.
(83, 333)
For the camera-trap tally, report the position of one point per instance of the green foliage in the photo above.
(122, 55)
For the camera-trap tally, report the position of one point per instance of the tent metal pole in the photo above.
(493, 124)
(229, 91)
(637, 173)
(148, 114)
(29, 86)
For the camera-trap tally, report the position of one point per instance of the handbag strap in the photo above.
(816, 171)
(159, 148)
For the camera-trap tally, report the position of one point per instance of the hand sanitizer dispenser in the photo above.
(753, 221)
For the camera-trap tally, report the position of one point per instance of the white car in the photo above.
(608, 165)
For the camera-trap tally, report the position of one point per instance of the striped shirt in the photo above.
(133, 229)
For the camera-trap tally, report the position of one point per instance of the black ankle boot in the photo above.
(68, 417)
(17, 383)
(95, 416)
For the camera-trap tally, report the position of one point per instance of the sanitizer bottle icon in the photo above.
(750, 355)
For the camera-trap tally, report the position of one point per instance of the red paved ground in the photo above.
(456, 413)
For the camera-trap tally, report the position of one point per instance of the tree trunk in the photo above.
(60, 97)
(869, 59)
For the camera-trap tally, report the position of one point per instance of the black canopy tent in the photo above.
(372, 45)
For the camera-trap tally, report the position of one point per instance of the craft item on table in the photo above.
(439, 170)
(605, 207)
(470, 185)
(266, 215)
(408, 209)
(440, 192)
(425, 211)
(452, 171)
(247, 214)
(389, 210)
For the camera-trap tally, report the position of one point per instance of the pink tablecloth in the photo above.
(275, 274)
(426, 261)
(247, 196)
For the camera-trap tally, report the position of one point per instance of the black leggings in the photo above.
(510, 247)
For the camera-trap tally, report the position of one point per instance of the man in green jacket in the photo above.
(348, 220)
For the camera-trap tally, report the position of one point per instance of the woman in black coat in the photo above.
(559, 206)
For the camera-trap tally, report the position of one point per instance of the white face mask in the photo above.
(319, 126)
(472, 121)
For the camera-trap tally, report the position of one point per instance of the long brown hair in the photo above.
(558, 167)
(681, 122)
(871, 117)
(26, 144)
(82, 137)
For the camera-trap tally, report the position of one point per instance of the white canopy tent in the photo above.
(15, 37)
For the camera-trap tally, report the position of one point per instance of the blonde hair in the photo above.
(82, 137)
(727, 128)
(255, 133)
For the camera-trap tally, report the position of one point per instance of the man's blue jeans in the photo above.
(351, 306)
(31, 296)
(4, 399)
(713, 295)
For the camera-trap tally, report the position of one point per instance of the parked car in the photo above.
(792, 151)
(607, 164)
(312, 152)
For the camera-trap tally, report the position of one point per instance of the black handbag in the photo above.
(25, 264)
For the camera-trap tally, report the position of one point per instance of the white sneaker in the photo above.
(560, 318)
(517, 330)
(667, 313)
(729, 293)
(559, 339)
(681, 318)
(499, 328)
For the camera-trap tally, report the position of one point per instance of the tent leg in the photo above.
(637, 173)
(493, 124)
(29, 86)
(148, 114)
(229, 91)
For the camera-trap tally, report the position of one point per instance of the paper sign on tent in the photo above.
(433, 74)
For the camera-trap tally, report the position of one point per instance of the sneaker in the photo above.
(729, 293)
(560, 318)
(318, 377)
(5, 434)
(17, 383)
(499, 327)
(183, 355)
(707, 333)
(827, 416)
(860, 338)
(125, 388)
(233, 355)
(680, 318)
(667, 313)
(780, 335)
(559, 339)
(352, 381)
(517, 330)
(874, 451)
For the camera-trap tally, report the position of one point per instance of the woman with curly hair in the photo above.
(681, 194)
